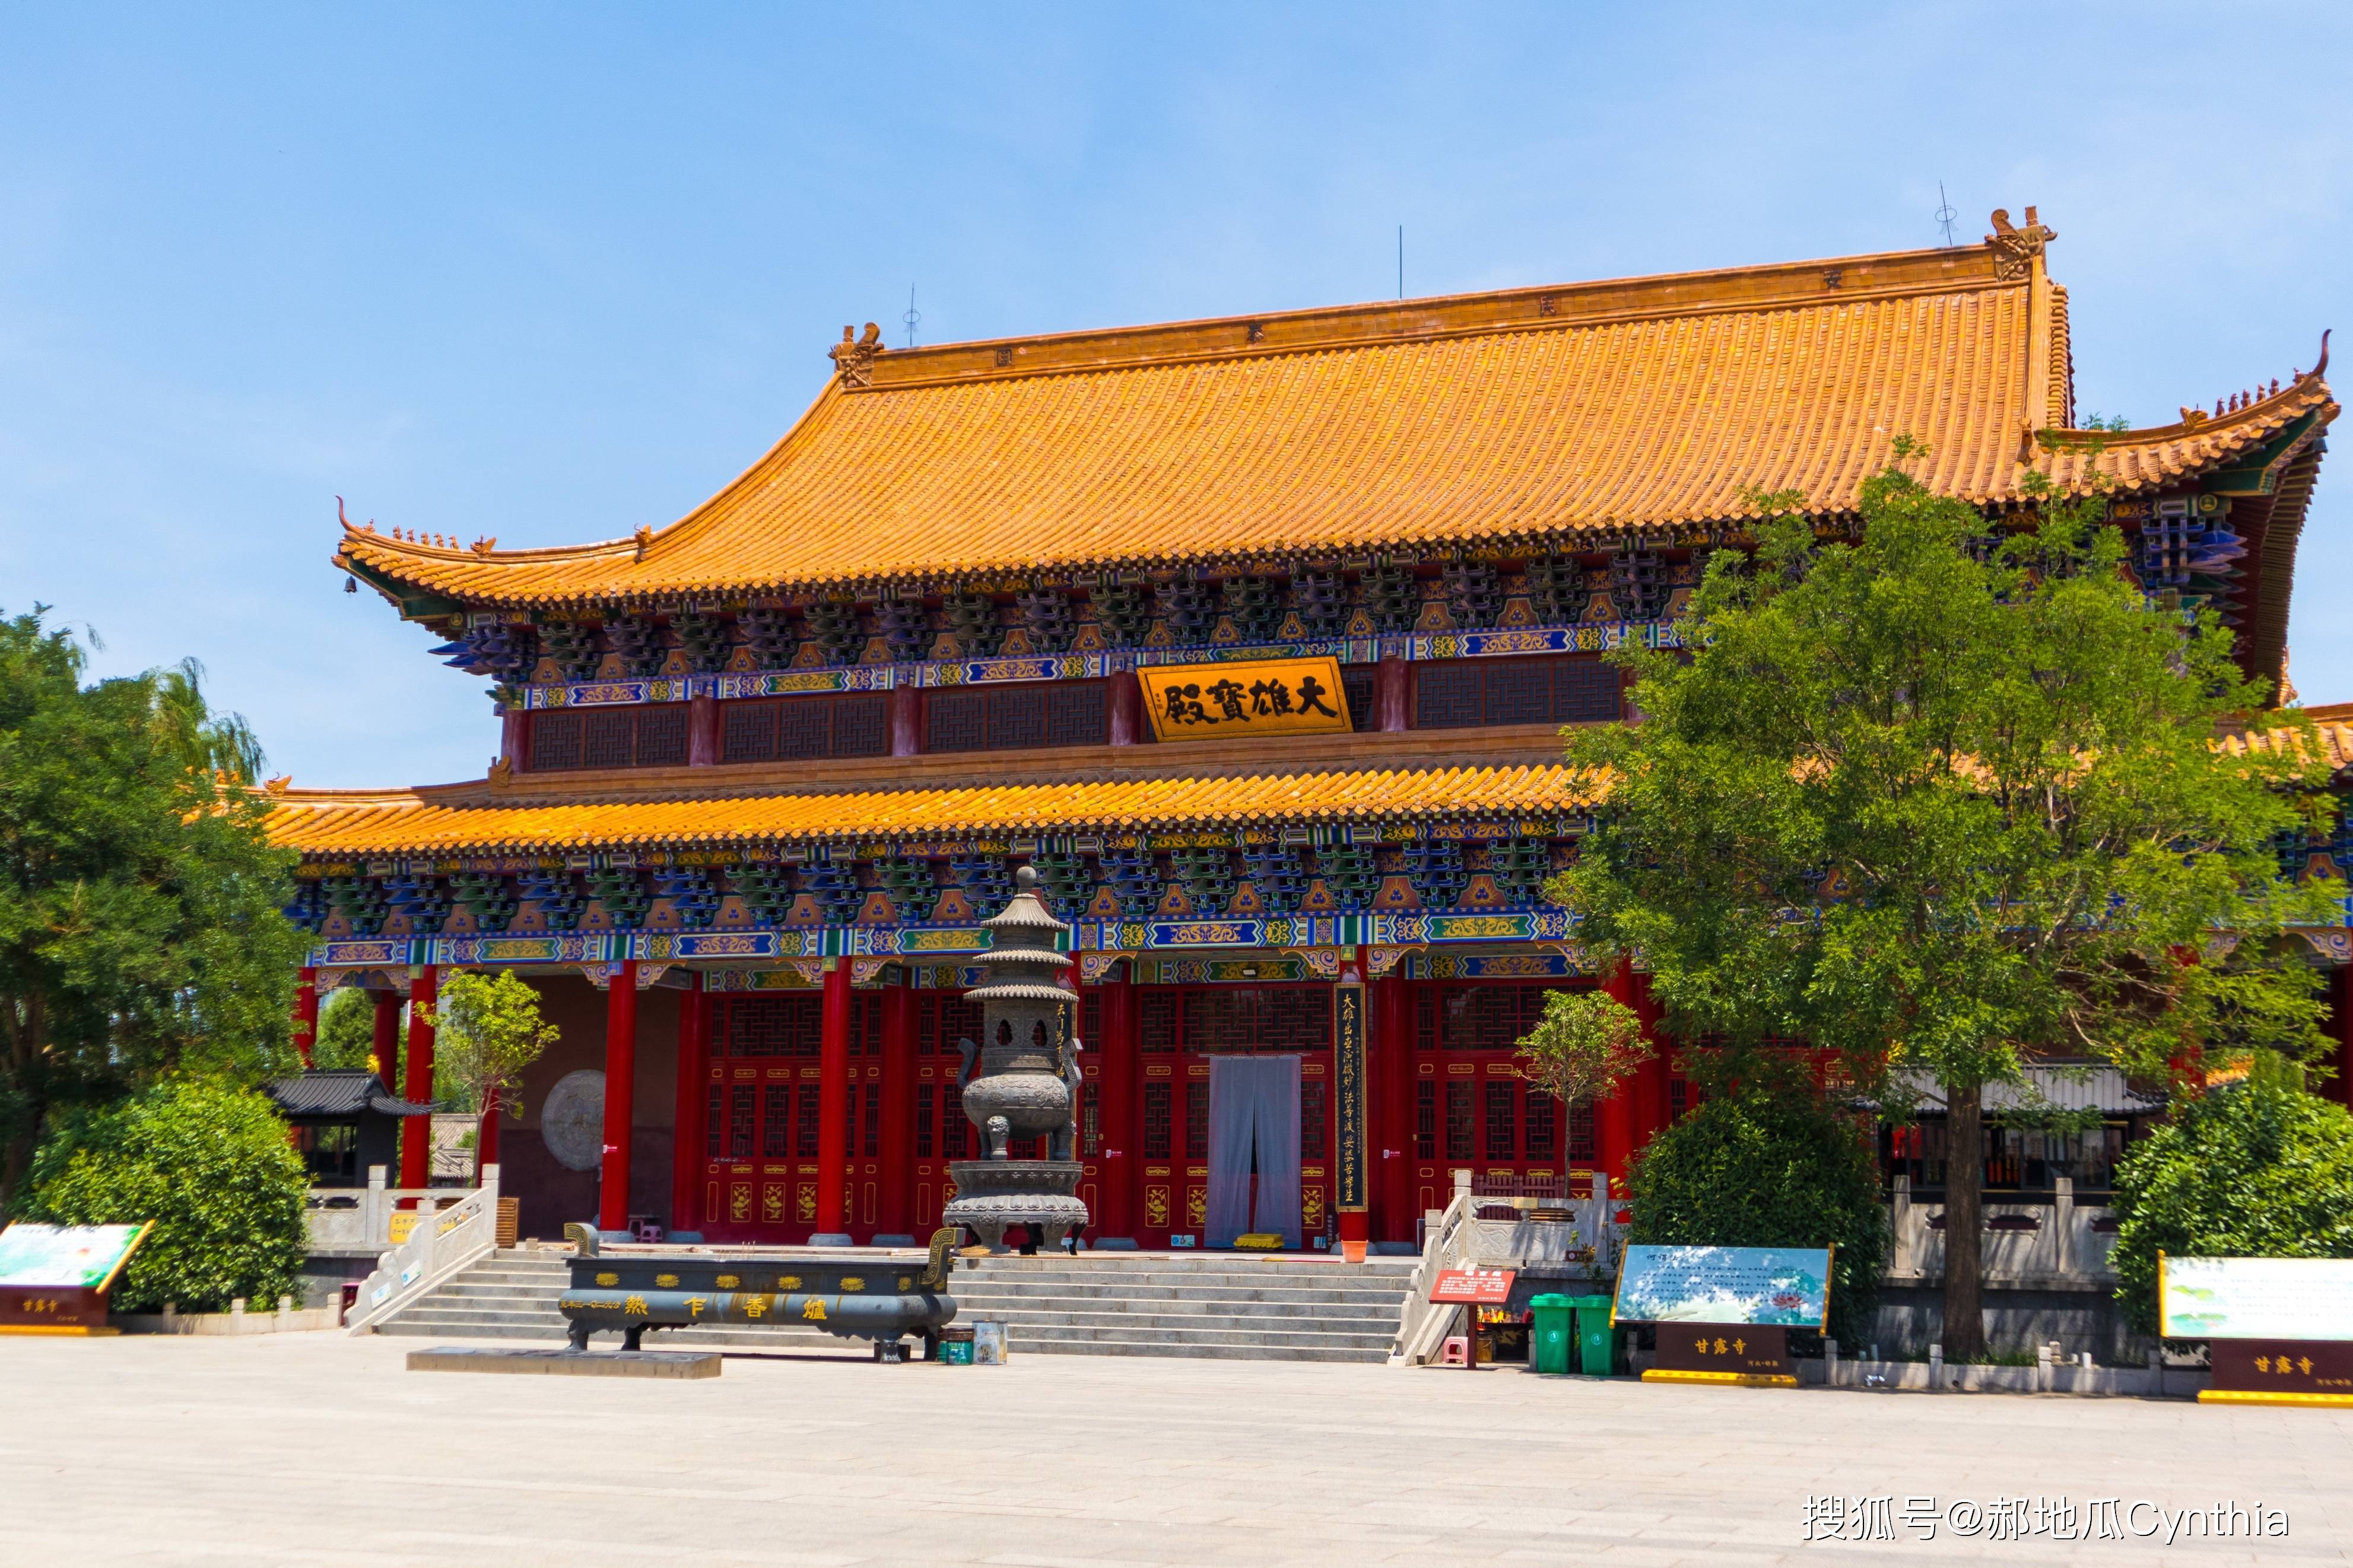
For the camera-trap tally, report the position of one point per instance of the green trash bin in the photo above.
(1593, 1335)
(1549, 1336)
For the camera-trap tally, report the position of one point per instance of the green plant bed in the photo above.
(210, 1165)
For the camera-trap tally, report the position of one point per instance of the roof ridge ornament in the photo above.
(854, 357)
(2015, 249)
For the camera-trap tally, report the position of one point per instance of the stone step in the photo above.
(1271, 1312)
(1097, 1324)
(1219, 1295)
(1158, 1347)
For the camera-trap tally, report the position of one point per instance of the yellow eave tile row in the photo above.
(325, 824)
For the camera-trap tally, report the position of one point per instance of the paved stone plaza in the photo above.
(317, 1449)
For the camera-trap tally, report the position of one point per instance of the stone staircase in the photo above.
(1229, 1306)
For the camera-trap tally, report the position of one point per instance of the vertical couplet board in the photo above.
(1351, 1173)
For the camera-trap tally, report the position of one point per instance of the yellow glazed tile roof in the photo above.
(1519, 415)
(327, 823)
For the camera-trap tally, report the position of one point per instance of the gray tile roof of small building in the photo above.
(338, 1092)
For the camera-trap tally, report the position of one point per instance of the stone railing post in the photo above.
(2062, 1218)
(375, 1212)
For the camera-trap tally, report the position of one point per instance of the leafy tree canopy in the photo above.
(1941, 798)
(346, 1036)
(141, 929)
(2255, 1169)
(1585, 1045)
(210, 1164)
(488, 1031)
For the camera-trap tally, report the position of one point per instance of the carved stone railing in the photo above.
(1446, 1244)
(2063, 1243)
(442, 1242)
(359, 1219)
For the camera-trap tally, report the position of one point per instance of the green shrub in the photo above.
(211, 1166)
(2258, 1169)
(1769, 1167)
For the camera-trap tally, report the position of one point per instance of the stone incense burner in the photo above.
(1026, 1085)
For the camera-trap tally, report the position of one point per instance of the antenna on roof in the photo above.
(913, 317)
(1946, 214)
(1400, 261)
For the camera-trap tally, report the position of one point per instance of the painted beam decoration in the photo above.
(1276, 696)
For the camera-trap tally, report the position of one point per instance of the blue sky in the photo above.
(551, 272)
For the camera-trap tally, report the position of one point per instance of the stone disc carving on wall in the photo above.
(572, 1120)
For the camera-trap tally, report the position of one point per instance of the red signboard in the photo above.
(1474, 1287)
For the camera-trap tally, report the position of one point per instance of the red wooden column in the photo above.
(833, 1103)
(1613, 1117)
(417, 1131)
(620, 1095)
(687, 1120)
(514, 739)
(1390, 1014)
(1116, 1096)
(385, 1046)
(906, 711)
(897, 1212)
(306, 1011)
(1127, 720)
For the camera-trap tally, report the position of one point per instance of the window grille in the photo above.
(554, 743)
(1156, 1121)
(714, 1123)
(1157, 1020)
(874, 1120)
(607, 740)
(1078, 713)
(1544, 1125)
(1678, 1100)
(1425, 1121)
(941, 1018)
(804, 728)
(794, 729)
(1090, 1023)
(1358, 683)
(776, 1122)
(661, 736)
(1460, 1123)
(806, 1130)
(742, 1120)
(1090, 1121)
(1311, 1121)
(1580, 1134)
(1502, 1117)
(1006, 718)
(1452, 694)
(955, 1127)
(1197, 1120)
(926, 1095)
(774, 1026)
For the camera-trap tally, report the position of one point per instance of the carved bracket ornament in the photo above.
(1093, 967)
(2014, 250)
(854, 357)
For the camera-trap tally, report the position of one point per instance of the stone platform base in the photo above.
(568, 1363)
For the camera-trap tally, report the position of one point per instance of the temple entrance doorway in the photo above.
(1253, 1148)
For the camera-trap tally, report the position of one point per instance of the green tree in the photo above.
(210, 1164)
(1585, 1046)
(488, 1030)
(140, 923)
(347, 1030)
(2254, 1169)
(1770, 1163)
(1942, 800)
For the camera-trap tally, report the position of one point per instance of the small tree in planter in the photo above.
(1586, 1046)
(488, 1030)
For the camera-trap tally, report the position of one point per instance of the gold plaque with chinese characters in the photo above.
(1263, 696)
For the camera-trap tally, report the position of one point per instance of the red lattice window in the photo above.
(1473, 1017)
(805, 1129)
(941, 1018)
(661, 737)
(1460, 1121)
(1197, 1120)
(1091, 1023)
(1503, 1121)
(714, 1124)
(1568, 688)
(1156, 1121)
(1310, 1120)
(1358, 682)
(1156, 1015)
(926, 1108)
(794, 729)
(1580, 1134)
(866, 1023)
(774, 1027)
(742, 1120)
(776, 1122)
(609, 739)
(955, 1127)
(1089, 1121)
(639, 737)
(554, 743)
(1544, 1125)
(874, 1120)
(1425, 1120)
(997, 719)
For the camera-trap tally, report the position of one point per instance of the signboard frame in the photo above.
(1626, 1269)
(1220, 700)
(2274, 1360)
(39, 1307)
